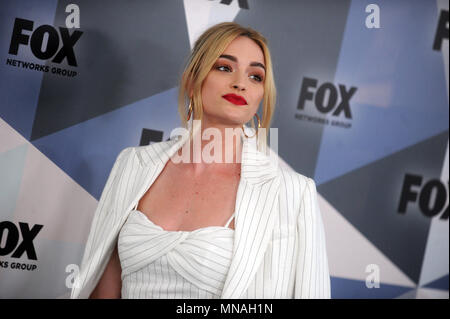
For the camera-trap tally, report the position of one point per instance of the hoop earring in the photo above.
(190, 110)
(259, 126)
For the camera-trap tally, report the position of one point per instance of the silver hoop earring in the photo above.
(259, 126)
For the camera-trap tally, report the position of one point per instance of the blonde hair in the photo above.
(207, 49)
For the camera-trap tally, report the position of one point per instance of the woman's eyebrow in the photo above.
(234, 59)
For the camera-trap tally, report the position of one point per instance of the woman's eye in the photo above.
(258, 78)
(228, 69)
(221, 67)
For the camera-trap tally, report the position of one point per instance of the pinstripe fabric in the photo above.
(155, 261)
(279, 246)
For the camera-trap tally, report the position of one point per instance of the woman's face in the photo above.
(240, 71)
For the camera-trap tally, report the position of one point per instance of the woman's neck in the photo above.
(212, 148)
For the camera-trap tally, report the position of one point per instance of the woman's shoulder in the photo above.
(146, 154)
(289, 176)
(294, 188)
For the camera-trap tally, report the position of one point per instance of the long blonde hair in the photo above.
(207, 49)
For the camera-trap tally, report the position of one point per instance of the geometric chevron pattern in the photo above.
(59, 136)
(375, 197)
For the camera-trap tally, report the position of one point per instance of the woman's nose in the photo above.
(239, 87)
(238, 83)
(238, 80)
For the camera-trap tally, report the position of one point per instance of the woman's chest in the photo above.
(178, 201)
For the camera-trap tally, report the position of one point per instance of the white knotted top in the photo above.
(173, 264)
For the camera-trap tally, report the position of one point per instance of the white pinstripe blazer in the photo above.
(279, 245)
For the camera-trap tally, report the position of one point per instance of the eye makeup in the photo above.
(220, 66)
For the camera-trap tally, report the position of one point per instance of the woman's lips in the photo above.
(235, 100)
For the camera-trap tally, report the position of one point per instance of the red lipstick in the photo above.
(235, 99)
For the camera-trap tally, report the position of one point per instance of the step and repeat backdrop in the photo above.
(362, 92)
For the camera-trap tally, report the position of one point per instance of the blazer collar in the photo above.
(256, 167)
(256, 204)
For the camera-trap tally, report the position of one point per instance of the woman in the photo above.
(201, 229)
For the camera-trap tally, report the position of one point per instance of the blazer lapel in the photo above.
(152, 159)
(256, 209)
(256, 204)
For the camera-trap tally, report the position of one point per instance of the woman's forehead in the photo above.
(244, 49)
